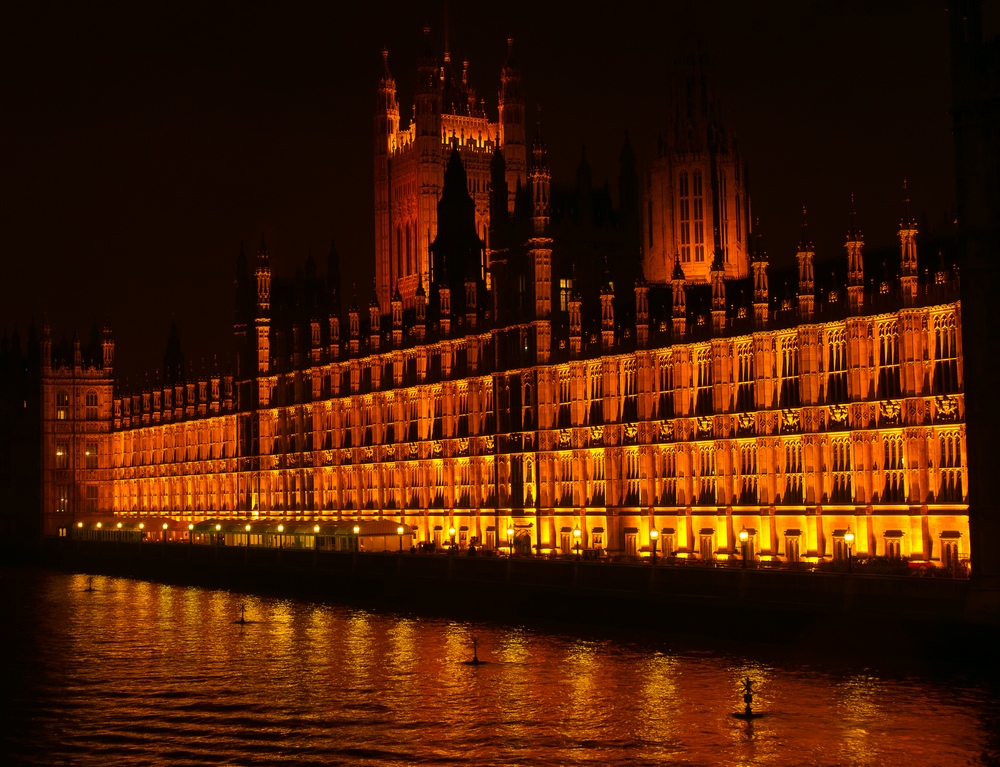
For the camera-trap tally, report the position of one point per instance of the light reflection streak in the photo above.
(159, 667)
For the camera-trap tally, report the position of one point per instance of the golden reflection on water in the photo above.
(158, 669)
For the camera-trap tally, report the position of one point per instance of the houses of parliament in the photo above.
(542, 369)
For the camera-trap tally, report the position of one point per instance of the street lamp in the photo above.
(510, 541)
(451, 532)
(165, 526)
(218, 534)
(849, 541)
(744, 538)
(576, 537)
(190, 532)
(247, 528)
(315, 537)
(281, 537)
(357, 538)
(399, 530)
(653, 535)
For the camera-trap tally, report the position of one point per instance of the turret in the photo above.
(420, 307)
(855, 264)
(397, 318)
(641, 312)
(761, 293)
(607, 312)
(540, 183)
(678, 284)
(805, 257)
(108, 349)
(908, 252)
(575, 307)
(374, 323)
(511, 103)
(262, 319)
(354, 328)
(718, 280)
(333, 298)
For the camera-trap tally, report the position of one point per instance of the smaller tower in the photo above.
(641, 312)
(262, 318)
(397, 318)
(718, 277)
(575, 308)
(354, 328)
(541, 179)
(908, 252)
(678, 284)
(761, 293)
(806, 256)
(420, 306)
(855, 264)
(607, 312)
(108, 349)
(374, 322)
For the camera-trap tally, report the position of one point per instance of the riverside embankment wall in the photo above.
(763, 603)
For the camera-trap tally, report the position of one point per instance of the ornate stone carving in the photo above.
(889, 412)
(945, 407)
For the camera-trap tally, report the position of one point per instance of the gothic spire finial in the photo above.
(853, 229)
(804, 242)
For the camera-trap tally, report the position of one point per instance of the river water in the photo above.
(133, 673)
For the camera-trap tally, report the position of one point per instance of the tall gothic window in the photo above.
(684, 211)
(788, 373)
(836, 366)
(703, 384)
(699, 216)
(744, 391)
(945, 355)
(888, 372)
(892, 467)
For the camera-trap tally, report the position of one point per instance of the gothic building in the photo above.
(510, 382)
(410, 163)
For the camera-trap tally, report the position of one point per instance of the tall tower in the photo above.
(410, 162)
(511, 109)
(908, 252)
(695, 186)
(262, 318)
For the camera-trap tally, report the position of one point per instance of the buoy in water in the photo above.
(475, 656)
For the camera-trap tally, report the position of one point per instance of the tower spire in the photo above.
(908, 251)
(855, 263)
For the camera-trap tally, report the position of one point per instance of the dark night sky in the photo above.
(141, 144)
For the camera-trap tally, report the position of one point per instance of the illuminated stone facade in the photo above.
(504, 404)
(797, 432)
(77, 390)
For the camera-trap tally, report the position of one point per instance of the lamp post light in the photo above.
(142, 526)
(281, 537)
(510, 541)
(357, 537)
(315, 537)
(399, 530)
(451, 532)
(165, 526)
(849, 541)
(190, 532)
(218, 534)
(247, 528)
(744, 538)
(576, 537)
(653, 535)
